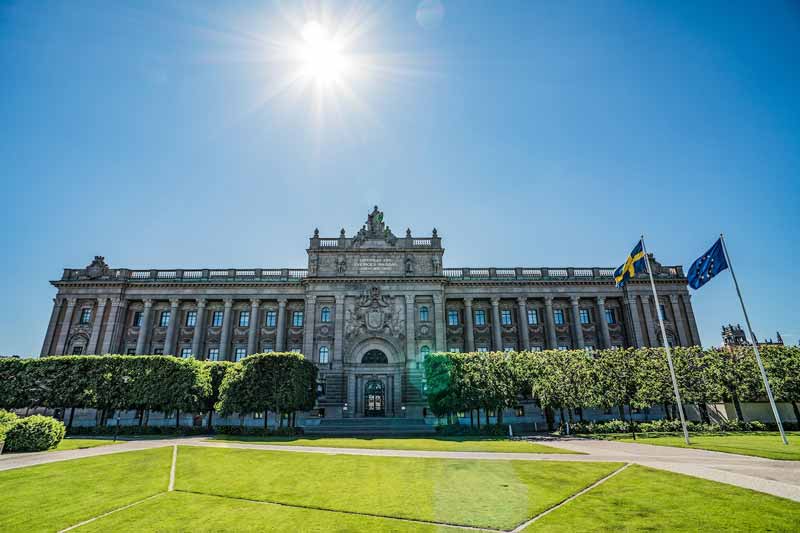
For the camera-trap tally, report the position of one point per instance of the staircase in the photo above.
(372, 426)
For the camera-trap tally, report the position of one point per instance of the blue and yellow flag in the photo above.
(633, 264)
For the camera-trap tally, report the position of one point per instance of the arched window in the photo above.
(374, 357)
(324, 352)
(423, 314)
(325, 314)
(424, 352)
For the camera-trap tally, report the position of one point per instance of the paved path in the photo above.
(779, 478)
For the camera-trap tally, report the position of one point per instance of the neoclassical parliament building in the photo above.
(367, 310)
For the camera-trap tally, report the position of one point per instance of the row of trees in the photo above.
(568, 381)
(154, 383)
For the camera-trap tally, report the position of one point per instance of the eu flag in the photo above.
(707, 266)
(633, 264)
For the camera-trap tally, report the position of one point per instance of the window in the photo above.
(213, 354)
(423, 314)
(325, 315)
(505, 317)
(295, 349)
(480, 317)
(584, 316)
(86, 316)
(216, 318)
(662, 312)
(137, 319)
(244, 319)
(455, 350)
(269, 347)
(163, 320)
(424, 352)
(186, 353)
(240, 353)
(191, 319)
(158, 351)
(589, 348)
(536, 348)
(519, 411)
(563, 348)
(483, 349)
(258, 415)
(271, 319)
(297, 319)
(509, 349)
(324, 353)
(452, 317)
(558, 316)
(533, 317)
(77, 350)
(131, 351)
(610, 317)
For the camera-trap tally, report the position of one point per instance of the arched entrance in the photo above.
(374, 398)
(375, 357)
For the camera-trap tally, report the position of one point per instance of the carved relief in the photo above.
(373, 314)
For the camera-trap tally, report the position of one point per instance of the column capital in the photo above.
(101, 301)
(409, 299)
(201, 302)
(574, 300)
(601, 300)
(148, 302)
(174, 302)
(495, 301)
(228, 302)
(673, 298)
(71, 301)
(255, 302)
(282, 302)
(468, 301)
(631, 299)
(311, 298)
(522, 300)
(548, 300)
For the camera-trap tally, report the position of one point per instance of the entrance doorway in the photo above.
(374, 398)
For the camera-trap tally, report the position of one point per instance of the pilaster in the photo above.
(51, 327)
(497, 337)
(169, 341)
(552, 342)
(524, 335)
(309, 322)
(252, 333)
(469, 328)
(577, 329)
(687, 305)
(439, 322)
(636, 324)
(66, 325)
(225, 334)
(338, 339)
(97, 322)
(280, 336)
(648, 320)
(199, 329)
(601, 313)
(116, 325)
(144, 329)
(680, 328)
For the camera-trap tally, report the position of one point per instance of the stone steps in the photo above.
(371, 427)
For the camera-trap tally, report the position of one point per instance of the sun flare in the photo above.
(321, 56)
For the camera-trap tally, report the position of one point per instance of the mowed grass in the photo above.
(489, 493)
(200, 513)
(78, 444)
(644, 499)
(54, 496)
(766, 444)
(436, 444)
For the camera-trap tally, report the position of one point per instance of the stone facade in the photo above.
(366, 310)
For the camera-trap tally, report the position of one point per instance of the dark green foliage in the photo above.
(34, 434)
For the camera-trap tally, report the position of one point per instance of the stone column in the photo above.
(252, 333)
(309, 320)
(97, 321)
(524, 336)
(280, 336)
(116, 325)
(601, 312)
(469, 328)
(338, 339)
(497, 338)
(199, 328)
(411, 348)
(169, 341)
(687, 301)
(680, 329)
(552, 342)
(636, 326)
(144, 329)
(66, 324)
(648, 321)
(51, 327)
(225, 334)
(439, 322)
(576, 322)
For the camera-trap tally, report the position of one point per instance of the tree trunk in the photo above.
(796, 413)
(471, 421)
(622, 413)
(141, 417)
(569, 413)
(478, 418)
(266, 418)
(703, 408)
(500, 416)
(549, 418)
(486, 416)
(280, 415)
(177, 418)
(667, 411)
(72, 415)
(580, 413)
(103, 417)
(738, 406)
(210, 420)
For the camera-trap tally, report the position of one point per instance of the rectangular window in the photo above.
(536, 348)
(297, 319)
(295, 349)
(505, 317)
(509, 349)
(589, 348)
(191, 319)
(423, 314)
(483, 349)
(563, 348)
(213, 354)
(584, 316)
(163, 320)
(455, 350)
(269, 347)
(610, 317)
(558, 316)
(533, 317)
(240, 353)
(186, 353)
(452, 317)
(244, 319)
(86, 316)
(158, 351)
(77, 350)
(137, 319)
(662, 312)
(131, 351)
(216, 318)
(480, 317)
(271, 319)
(324, 353)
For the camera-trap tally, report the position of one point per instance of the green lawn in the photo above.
(75, 444)
(54, 496)
(643, 499)
(437, 444)
(767, 444)
(489, 493)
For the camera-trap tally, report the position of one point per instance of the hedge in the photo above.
(34, 434)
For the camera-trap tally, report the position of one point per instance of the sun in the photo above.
(320, 54)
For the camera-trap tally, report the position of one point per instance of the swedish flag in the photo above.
(633, 264)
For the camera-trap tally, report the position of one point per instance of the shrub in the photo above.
(287, 431)
(757, 425)
(136, 430)
(7, 419)
(34, 434)
(493, 430)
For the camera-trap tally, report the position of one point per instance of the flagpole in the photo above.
(754, 341)
(666, 346)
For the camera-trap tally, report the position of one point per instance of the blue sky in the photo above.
(528, 133)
